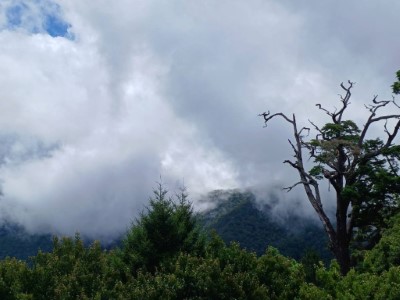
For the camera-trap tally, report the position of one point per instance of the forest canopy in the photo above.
(193, 266)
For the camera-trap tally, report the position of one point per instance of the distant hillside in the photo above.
(16, 242)
(236, 217)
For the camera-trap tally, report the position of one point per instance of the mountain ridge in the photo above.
(237, 216)
(234, 214)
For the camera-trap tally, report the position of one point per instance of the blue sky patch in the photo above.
(56, 26)
(40, 16)
(14, 15)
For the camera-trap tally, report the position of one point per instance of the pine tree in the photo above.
(166, 228)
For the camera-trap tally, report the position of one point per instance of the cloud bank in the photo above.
(99, 99)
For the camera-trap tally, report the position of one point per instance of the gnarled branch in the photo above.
(267, 116)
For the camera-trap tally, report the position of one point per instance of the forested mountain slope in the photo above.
(237, 217)
(16, 242)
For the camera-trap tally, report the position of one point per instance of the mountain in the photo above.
(236, 216)
(16, 242)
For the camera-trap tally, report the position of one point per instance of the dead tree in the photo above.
(351, 164)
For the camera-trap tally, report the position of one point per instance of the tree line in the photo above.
(165, 255)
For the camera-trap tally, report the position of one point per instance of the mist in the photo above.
(100, 102)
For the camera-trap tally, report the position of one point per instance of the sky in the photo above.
(101, 99)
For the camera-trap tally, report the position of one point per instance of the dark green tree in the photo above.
(13, 275)
(396, 84)
(387, 252)
(363, 172)
(166, 228)
(70, 271)
(310, 262)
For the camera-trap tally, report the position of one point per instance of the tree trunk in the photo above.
(341, 251)
(342, 254)
(343, 236)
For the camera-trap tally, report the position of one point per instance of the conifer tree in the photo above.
(166, 228)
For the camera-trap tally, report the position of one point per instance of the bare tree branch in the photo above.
(288, 189)
(317, 129)
(337, 117)
(304, 129)
(267, 116)
(324, 109)
(373, 109)
(294, 165)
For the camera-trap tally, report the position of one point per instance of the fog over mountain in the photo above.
(99, 98)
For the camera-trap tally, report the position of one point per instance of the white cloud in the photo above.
(149, 88)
